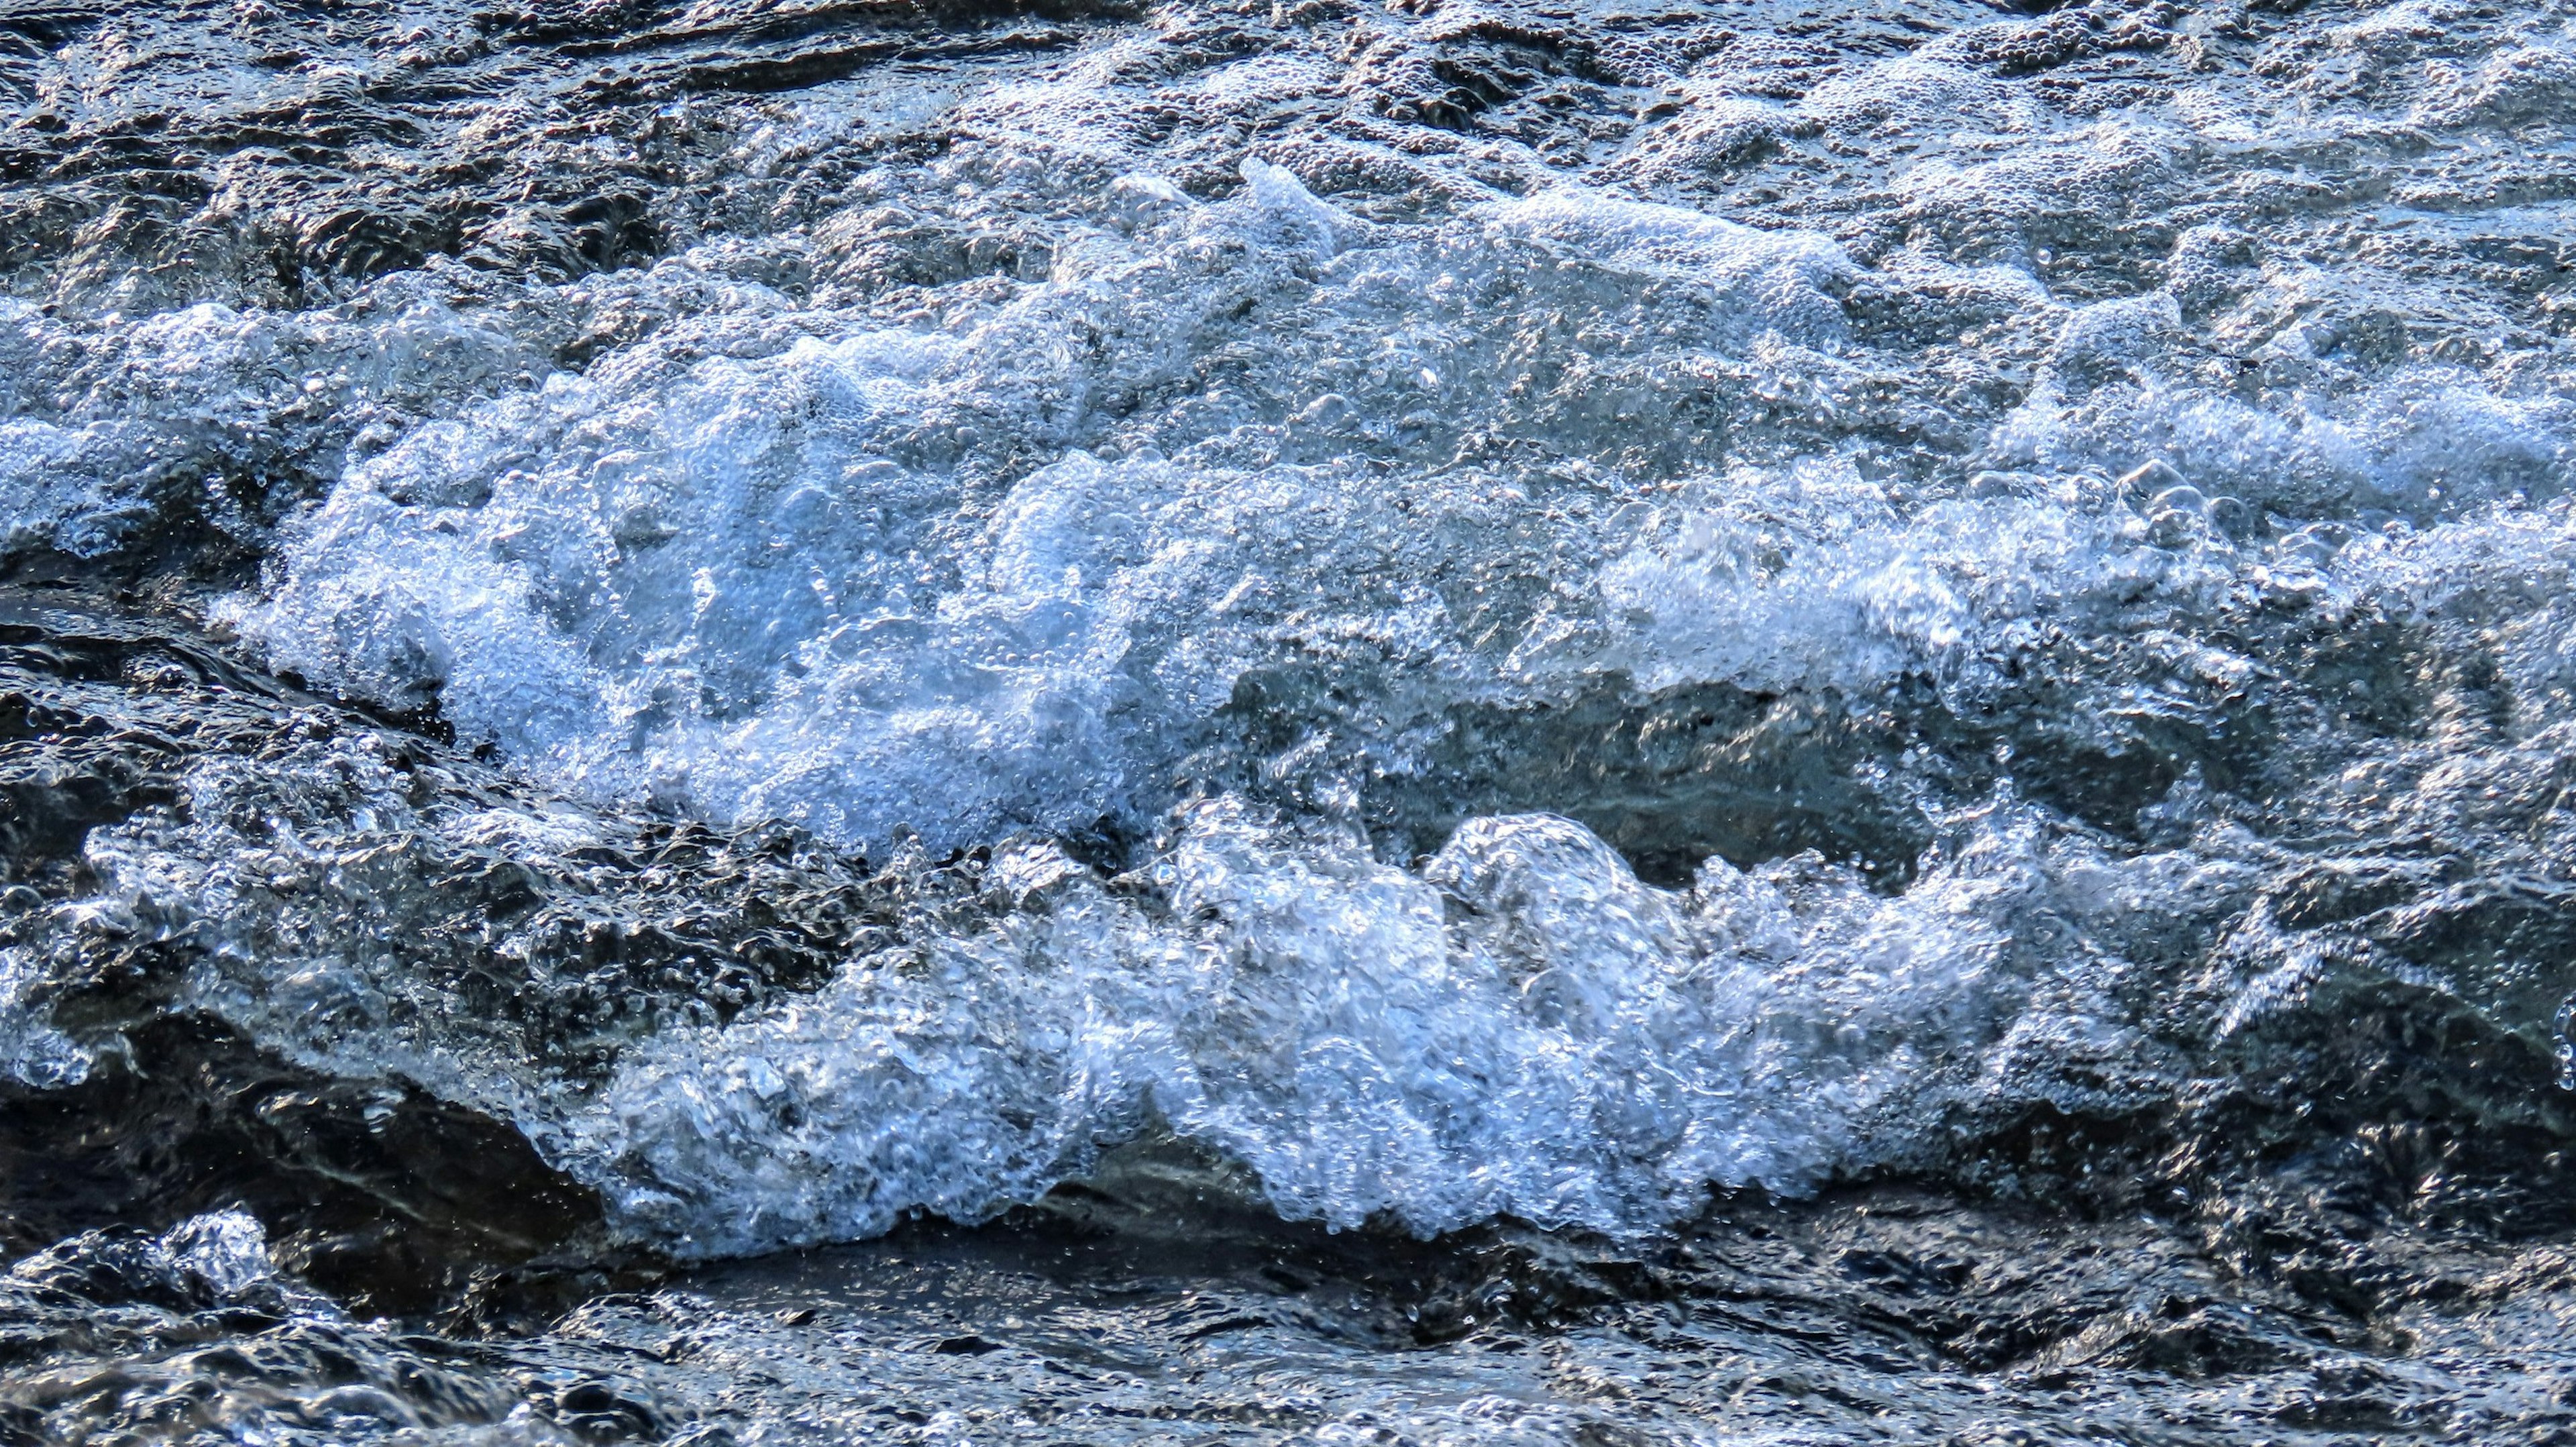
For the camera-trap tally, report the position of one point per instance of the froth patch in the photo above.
(873, 578)
(1521, 1027)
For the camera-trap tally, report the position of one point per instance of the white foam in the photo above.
(1520, 1028)
(1517, 1026)
(765, 586)
(2427, 442)
(227, 1250)
(110, 426)
(32, 1051)
(993, 571)
(1812, 579)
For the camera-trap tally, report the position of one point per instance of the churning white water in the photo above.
(1001, 560)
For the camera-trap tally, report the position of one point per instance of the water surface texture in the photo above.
(1443, 722)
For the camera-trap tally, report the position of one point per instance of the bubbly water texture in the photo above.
(1578, 1049)
(767, 584)
(1519, 1025)
(1214, 524)
(760, 585)
(759, 573)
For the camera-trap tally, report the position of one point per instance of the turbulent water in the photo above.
(1782, 721)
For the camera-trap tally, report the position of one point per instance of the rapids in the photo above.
(1442, 721)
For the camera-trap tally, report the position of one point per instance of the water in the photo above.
(1578, 724)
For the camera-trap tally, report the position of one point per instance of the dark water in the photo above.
(1437, 723)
